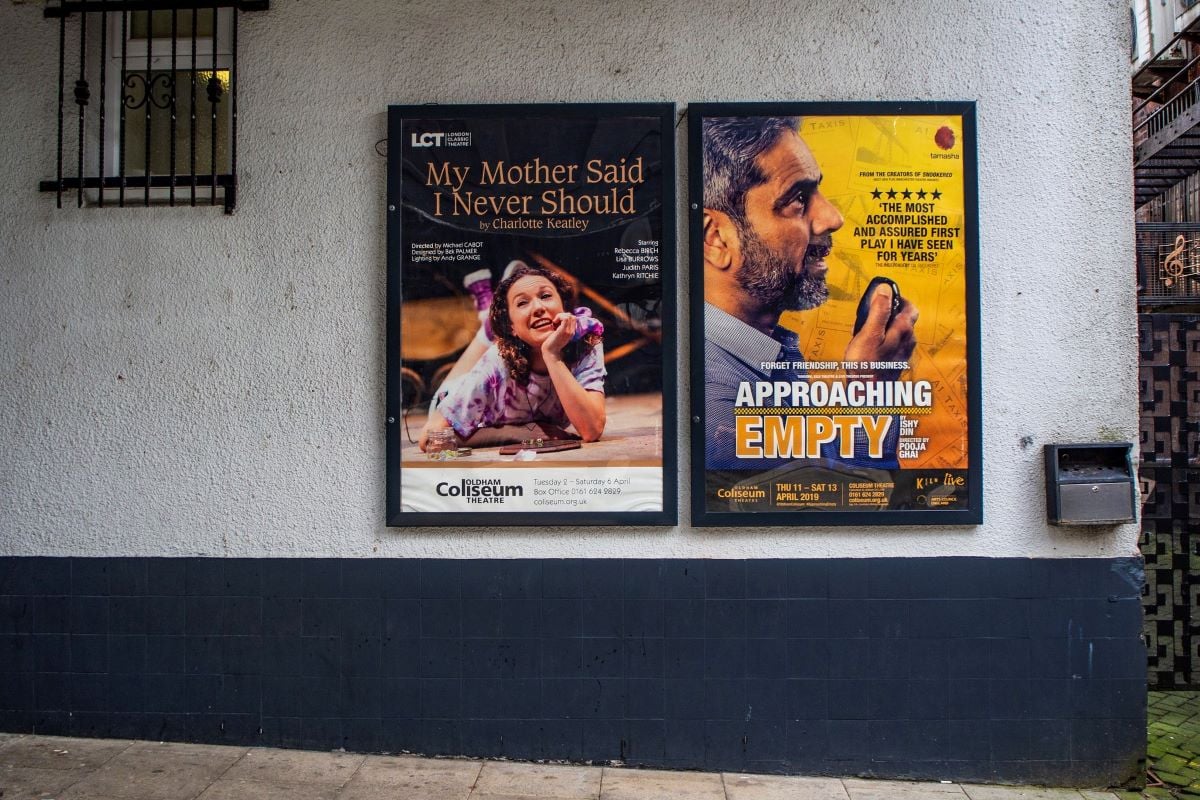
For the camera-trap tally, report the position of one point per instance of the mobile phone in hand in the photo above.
(864, 305)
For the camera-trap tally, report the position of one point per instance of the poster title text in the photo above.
(463, 190)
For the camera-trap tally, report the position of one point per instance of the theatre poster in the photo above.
(530, 315)
(834, 296)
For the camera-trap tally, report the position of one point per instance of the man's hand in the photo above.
(879, 341)
(564, 329)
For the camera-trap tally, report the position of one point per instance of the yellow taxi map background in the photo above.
(886, 173)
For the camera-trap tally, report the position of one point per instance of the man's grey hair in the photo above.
(731, 145)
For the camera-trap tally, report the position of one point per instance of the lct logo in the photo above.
(428, 139)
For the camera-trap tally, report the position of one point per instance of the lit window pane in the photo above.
(140, 93)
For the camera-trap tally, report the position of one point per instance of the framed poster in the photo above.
(530, 347)
(835, 314)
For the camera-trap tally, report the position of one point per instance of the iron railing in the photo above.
(1171, 109)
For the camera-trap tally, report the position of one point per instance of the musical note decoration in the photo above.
(1180, 261)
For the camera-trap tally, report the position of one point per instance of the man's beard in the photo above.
(773, 280)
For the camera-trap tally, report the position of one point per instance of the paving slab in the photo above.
(133, 784)
(201, 756)
(489, 796)
(412, 778)
(538, 780)
(149, 771)
(646, 784)
(31, 783)
(258, 790)
(59, 752)
(389, 769)
(892, 794)
(295, 767)
(862, 789)
(853, 784)
(432, 788)
(1099, 795)
(9, 738)
(979, 792)
(779, 787)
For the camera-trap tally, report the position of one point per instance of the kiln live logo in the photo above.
(441, 139)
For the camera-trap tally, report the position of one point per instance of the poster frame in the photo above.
(669, 266)
(972, 514)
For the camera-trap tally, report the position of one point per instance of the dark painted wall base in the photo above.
(1008, 670)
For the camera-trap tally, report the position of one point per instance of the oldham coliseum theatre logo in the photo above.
(480, 490)
(441, 139)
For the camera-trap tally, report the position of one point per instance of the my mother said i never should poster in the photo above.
(835, 314)
(530, 326)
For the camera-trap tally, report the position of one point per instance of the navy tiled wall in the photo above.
(955, 668)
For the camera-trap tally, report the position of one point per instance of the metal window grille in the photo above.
(1168, 263)
(163, 129)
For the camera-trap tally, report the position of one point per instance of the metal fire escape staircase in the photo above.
(1166, 117)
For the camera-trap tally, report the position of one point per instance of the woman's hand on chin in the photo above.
(564, 328)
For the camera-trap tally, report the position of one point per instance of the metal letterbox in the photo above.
(1090, 484)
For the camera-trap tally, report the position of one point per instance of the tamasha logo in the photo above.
(944, 138)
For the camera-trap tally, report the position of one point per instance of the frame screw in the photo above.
(391, 420)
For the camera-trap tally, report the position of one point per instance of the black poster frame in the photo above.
(971, 513)
(398, 115)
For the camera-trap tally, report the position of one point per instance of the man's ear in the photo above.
(721, 242)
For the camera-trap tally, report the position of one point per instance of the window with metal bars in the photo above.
(147, 101)
(1168, 263)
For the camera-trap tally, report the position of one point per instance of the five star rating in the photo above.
(906, 194)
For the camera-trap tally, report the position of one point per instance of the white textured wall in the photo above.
(175, 381)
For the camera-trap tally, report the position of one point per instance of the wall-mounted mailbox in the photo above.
(1090, 484)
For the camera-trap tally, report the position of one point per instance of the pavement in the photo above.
(45, 767)
(1173, 746)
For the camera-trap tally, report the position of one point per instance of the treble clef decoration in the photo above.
(1173, 262)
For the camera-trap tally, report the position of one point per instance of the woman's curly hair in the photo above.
(514, 351)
